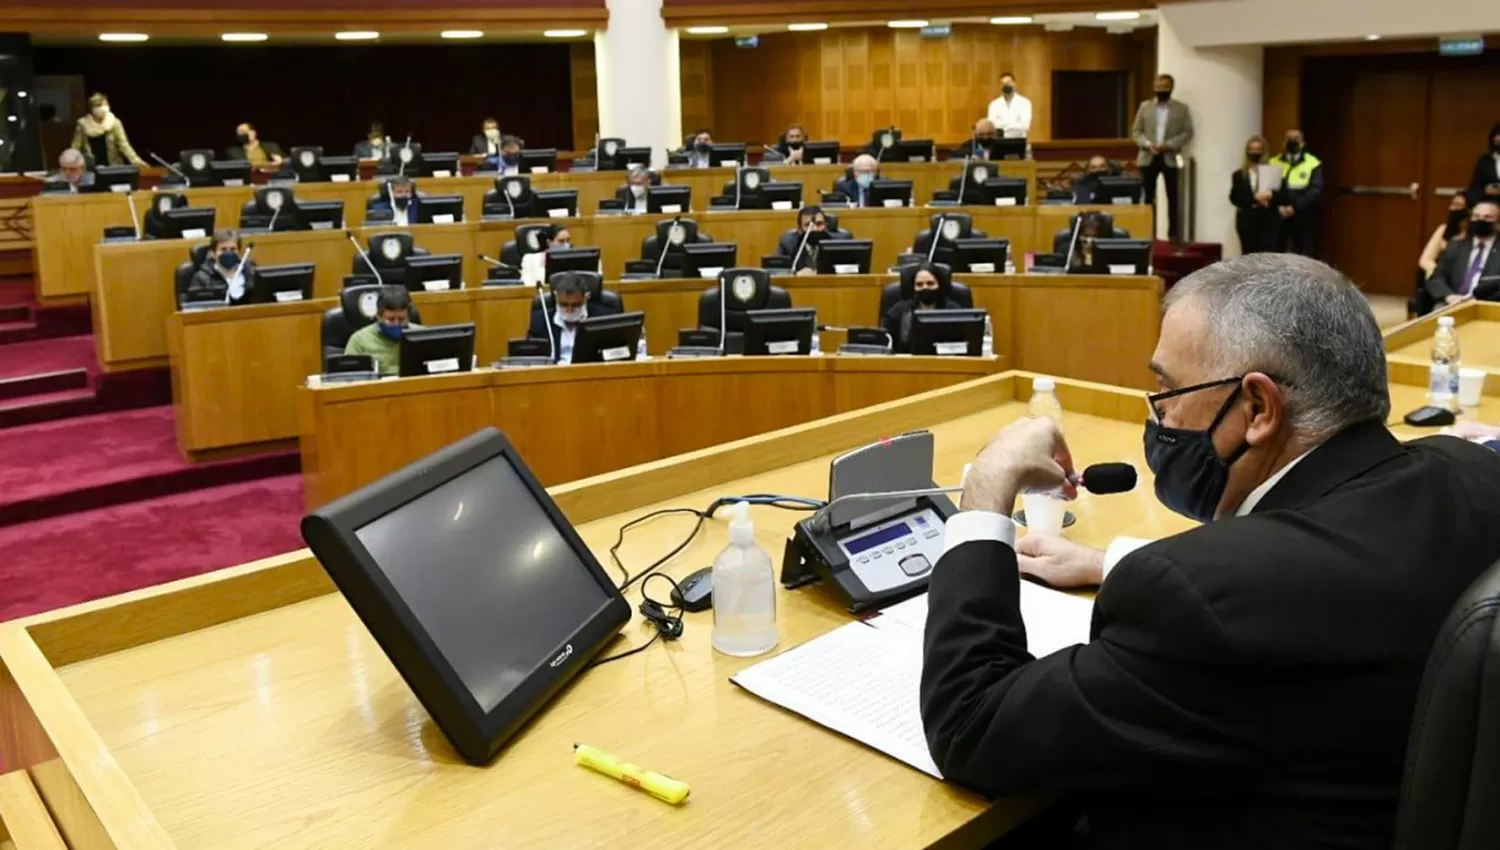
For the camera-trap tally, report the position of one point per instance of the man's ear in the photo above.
(1267, 408)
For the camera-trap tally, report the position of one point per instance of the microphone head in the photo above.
(1105, 478)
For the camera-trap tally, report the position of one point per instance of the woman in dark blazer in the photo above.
(924, 286)
(1485, 184)
(1255, 219)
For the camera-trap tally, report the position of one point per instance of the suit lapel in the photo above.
(1345, 456)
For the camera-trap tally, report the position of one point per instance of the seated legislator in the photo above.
(811, 218)
(509, 160)
(1086, 187)
(633, 193)
(856, 188)
(398, 197)
(487, 142)
(251, 149)
(72, 174)
(1090, 227)
(924, 286)
(382, 339)
(566, 306)
(697, 148)
(1249, 683)
(1484, 184)
(376, 145)
(224, 272)
(979, 145)
(1470, 267)
(788, 149)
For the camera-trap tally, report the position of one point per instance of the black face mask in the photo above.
(228, 259)
(1008, 89)
(1293, 147)
(1481, 229)
(1164, 96)
(400, 202)
(1455, 219)
(794, 146)
(1255, 156)
(985, 140)
(928, 297)
(702, 147)
(1190, 475)
(244, 138)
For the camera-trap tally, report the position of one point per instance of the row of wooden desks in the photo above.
(249, 707)
(1409, 346)
(236, 371)
(133, 284)
(67, 226)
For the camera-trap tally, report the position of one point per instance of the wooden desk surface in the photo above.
(1409, 346)
(250, 708)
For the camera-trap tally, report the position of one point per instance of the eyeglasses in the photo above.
(1153, 401)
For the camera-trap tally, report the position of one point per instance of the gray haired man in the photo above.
(1251, 682)
(72, 169)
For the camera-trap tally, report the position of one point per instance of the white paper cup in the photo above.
(1044, 514)
(1470, 386)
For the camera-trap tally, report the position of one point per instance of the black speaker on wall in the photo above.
(20, 120)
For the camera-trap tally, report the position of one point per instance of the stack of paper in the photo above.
(862, 679)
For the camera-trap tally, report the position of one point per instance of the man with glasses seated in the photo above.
(1250, 682)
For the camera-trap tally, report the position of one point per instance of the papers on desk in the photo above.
(862, 679)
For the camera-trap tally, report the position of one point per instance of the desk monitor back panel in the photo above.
(608, 339)
(433, 272)
(952, 332)
(473, 583)
(437, 350)
(290, 282)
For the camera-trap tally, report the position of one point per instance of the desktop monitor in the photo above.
(117, 178)
(440, 164)
(607, 339)
(306, 161)
(1004, 192)
(669, 199)
(1003, 149)
(845, 256)
(231, 172)
(708, 259)
(890, 193)
(538, 160)
(341, 169)
(322, 215)
(440, 209)
(980, 256)
(437, 350)
(572, 260)
(1118, 189)
(360, 280)
(474, 584)
(731, 155)
(627, 157)
(913, 150)
(820, 153)
(433, 272)
(781, 196)
(557, 203)
(948, 332)
(274, 284)
(197, 167)
(784, 331)
(187, 223)
(1123, 256)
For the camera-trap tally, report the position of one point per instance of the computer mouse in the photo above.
(695, 592)
(1429, 417)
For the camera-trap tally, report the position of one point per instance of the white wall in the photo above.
(1208, 23)
(1222, 85)
(640, 96)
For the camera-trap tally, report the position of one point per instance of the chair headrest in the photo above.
(533, 238)
(517, 187)
(269, 199)
(199, 253)
(359, 304)
(666, 231)
(391, 249)
(593, 281)
(747, 288)
(955, 225)
(163, 201)
(1106, 220)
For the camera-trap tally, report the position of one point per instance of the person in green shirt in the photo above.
(382, 338)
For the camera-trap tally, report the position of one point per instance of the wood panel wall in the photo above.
(843, 83)
(585, 83)
(696, 72)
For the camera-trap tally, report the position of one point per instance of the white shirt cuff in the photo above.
(969, 526)
(1118, 549)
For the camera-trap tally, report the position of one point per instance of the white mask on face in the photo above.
(492, 135)
(572, 317)
(101, 113)
(638, 191)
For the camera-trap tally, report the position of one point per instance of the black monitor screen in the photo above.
(708, 259)
(440, 209)
(487, 575)
(572, 260)
(607, 339)
(844, 256)
(948, 332)
(780, 331)
(668, 199)
(820, 153)
(538, 160)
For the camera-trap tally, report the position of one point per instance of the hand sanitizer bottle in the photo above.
(744, 594)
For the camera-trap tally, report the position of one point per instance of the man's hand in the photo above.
(1156, 147)
(1456, 299)
(1029, 454)
(1288, 212)
(806, 271)
(795, 157)
(1263, 197)
(1059, 563)
(1472, 430)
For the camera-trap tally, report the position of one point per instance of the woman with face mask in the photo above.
(1255, 219)
(100, 137)
(1485, 184)
(924, 286)
(226, 270)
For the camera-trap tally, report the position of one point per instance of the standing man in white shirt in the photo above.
(1163, 127)
(1011, 111)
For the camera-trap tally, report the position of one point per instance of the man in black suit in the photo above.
(397, 202)
(864, 172)
(1470, 267)
(567, 306)
(1249, 683)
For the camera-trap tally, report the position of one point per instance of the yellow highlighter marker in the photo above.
(663, 788)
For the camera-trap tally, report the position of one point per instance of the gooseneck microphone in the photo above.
(1072, 244)
(170, 167)
(661, 257)
(801, 246)
(937, 233)
(541, 293)
(134, 219)
(963, 181)
(369, 264)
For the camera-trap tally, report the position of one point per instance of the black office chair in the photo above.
(1061, 238)
(923, 243)
(1448, 792)
(532, 236)
(182, 277)
(901, 290)
(154, 222)
(597, 294)
(356, 309)
(511, 198)
(651, 245)
(748, 289)
(390, 262)
(199, 253)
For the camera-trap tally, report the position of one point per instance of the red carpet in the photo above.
(89, 462)
(70, 559)
(47, 355)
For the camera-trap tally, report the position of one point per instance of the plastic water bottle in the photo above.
(1044, 403)
(744, 592)
(989, 338)
(641, 352)
(816, 346)
(1442, 380)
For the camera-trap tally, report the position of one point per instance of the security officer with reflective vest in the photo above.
(1300, 195)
